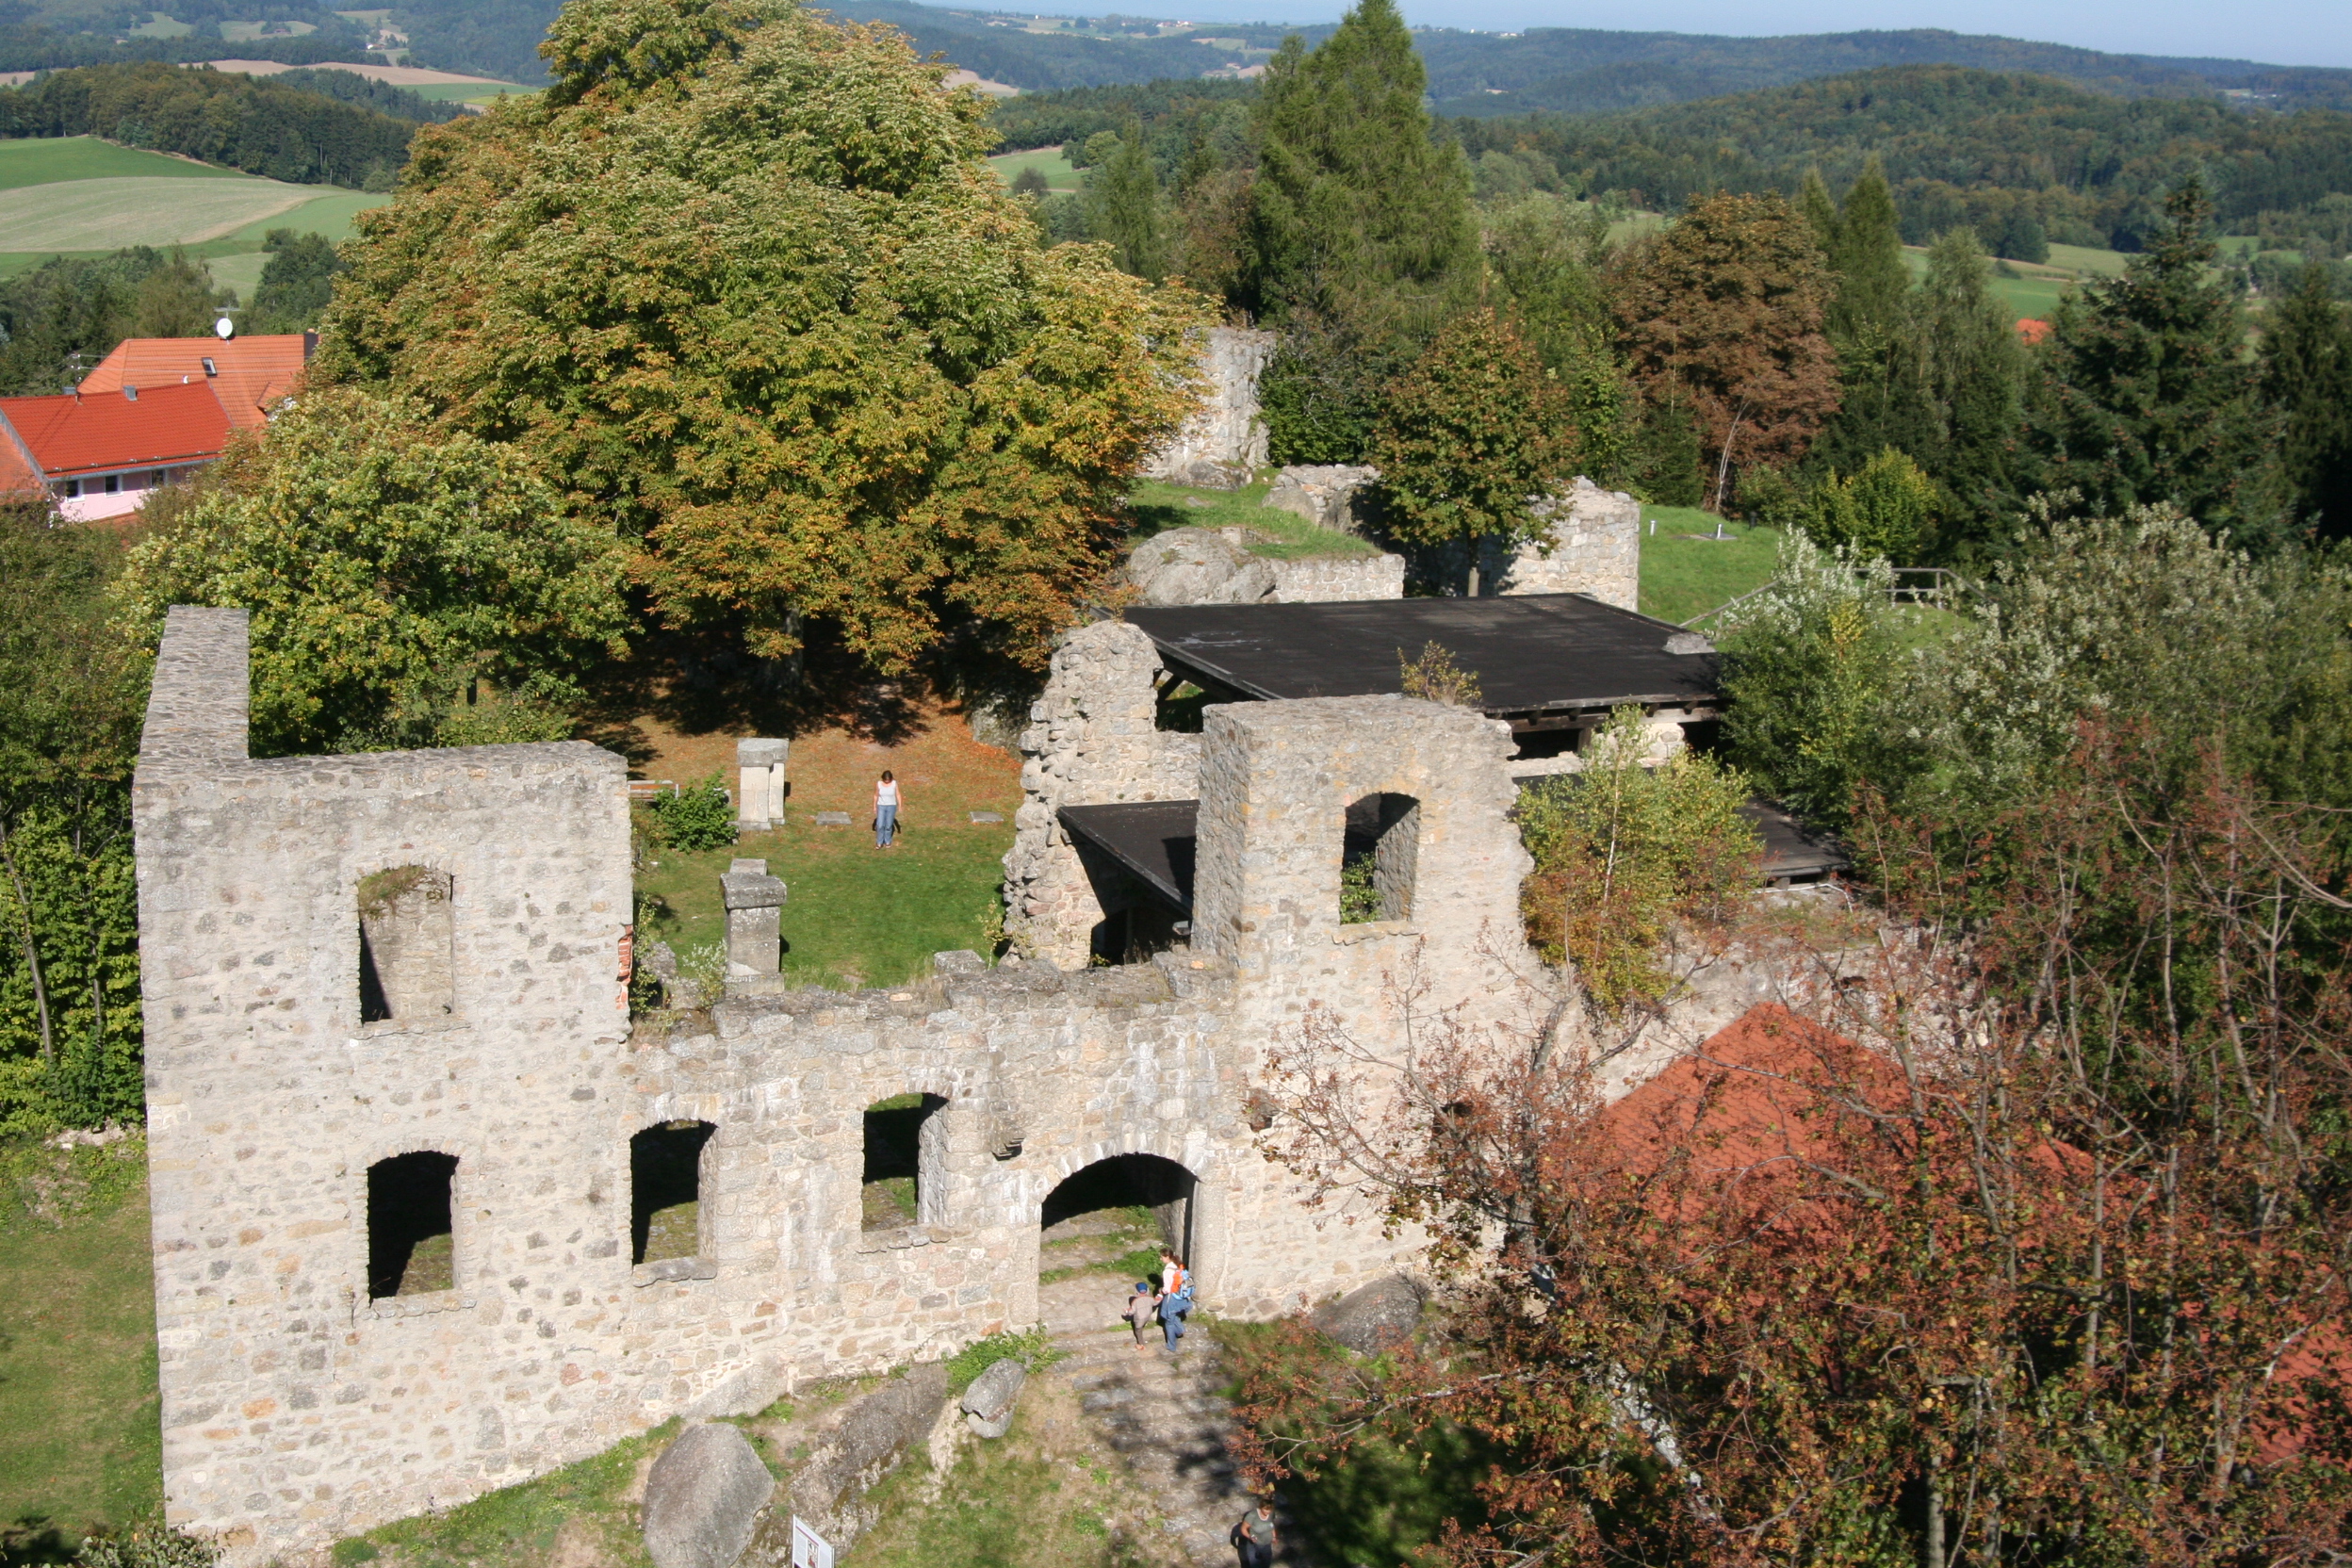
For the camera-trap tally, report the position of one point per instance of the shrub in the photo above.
(1033, 1348)
(1888, 509)
(1624, 852)
(699, 816)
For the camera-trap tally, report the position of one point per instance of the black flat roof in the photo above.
(1153, 840)
(1532, 652)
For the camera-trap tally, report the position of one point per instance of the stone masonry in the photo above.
(1594, 547)
(300, 1403)
(1224, 441)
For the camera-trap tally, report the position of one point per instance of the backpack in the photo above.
(1183, 1285)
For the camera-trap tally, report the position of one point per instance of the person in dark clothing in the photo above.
(1255, 1537)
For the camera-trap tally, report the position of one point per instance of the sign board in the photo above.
(809, 1547)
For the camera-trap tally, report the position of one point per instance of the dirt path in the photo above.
(1166, 1417)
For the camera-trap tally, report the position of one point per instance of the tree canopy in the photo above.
(388, 566)
(740, 284)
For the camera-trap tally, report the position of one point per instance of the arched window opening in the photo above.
(406, 971)
(1105, 1224)
(906, 1149)
(666, 1191)
(411, 1246)
(1377, 857)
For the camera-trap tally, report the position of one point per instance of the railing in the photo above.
(1942, 588)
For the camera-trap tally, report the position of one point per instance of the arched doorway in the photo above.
(1100, 1230)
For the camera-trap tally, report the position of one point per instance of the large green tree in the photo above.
(740, 283)
(390, 566)
(1468, 439)
(1870, 325)
(1547, 255)
(1123, 207)
(1357, 214)
(2150, 396)
(2306, 376)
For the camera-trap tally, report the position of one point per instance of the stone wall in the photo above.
(1321, 578)
(1594, 547)
(1224, 442)
(1094, 738)
(1201, 566)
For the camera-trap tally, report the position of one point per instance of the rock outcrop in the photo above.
(1224, 441)
(704, 1496)
(1324, 496)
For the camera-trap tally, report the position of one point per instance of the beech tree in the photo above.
(1722, 313)
(740, 283)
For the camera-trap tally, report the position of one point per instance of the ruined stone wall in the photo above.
(297, 1407)
(1094, 738)
(1593, 544)
(1224, 441)
(1322, 578)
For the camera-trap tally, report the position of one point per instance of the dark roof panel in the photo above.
(1530, 651)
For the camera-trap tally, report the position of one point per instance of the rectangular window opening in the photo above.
(411, 1243)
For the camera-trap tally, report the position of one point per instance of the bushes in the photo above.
(699, 816)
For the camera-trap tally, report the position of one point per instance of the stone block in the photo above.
(987, 1404)
(704, 1496)
(759, 763)
(755, 920)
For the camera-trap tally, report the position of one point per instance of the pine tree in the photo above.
(1866, 256)
(1973, 375)
(2149, 395)
(1123, 207)
(2307, 377)
(1357, 215)
(1820, 210)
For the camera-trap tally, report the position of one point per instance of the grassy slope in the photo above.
(1682, 577)
(1059, 175)
(2034, 291)
(49, 160)
(1283, 536)
(79, 1445)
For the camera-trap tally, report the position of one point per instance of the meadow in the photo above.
(81, 196)
(1060, 178)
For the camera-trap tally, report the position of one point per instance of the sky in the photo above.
(2279, 32)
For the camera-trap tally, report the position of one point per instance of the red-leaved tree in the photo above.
(2018, 1239)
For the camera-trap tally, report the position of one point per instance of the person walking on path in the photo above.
(885, 811)
(1255, 1537)
(1142, 1307)
(1175, 1297)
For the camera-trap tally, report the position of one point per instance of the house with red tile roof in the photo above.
(100, 454)
(250, 375)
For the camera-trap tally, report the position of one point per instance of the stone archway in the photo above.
(1100, 1229)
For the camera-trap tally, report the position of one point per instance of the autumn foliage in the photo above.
(742, 287)
(1722, 314)
(2021, 1239)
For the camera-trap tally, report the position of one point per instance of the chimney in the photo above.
(310, 345)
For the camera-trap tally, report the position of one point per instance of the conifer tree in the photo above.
(1866, 252)
(2150, 396)
(2306, 376)
(1123, 207)
(1973, 373)
(1357, 215)
(1820, 210)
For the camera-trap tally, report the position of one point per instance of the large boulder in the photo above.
(703, 1498)
(1373, 1318)
(987, 1404)
(1323, 495)
(1198, 565)
(866, 1442)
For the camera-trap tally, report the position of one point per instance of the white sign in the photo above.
(809, 1547)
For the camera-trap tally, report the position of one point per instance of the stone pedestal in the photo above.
(759, 801)
(755, 926)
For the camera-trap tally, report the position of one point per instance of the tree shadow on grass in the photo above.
(35, 1538)
(705, 685)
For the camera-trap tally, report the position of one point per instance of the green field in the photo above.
(80, 196)
(1683, 576)
(1059, 176)
(55, 159)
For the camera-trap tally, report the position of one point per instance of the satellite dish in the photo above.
(225, 329)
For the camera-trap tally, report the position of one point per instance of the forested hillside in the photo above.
(252, 124)
(1991, 150)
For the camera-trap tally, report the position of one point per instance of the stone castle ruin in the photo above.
(390, 1045)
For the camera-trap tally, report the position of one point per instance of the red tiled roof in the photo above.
(72, 434)
(251, 371)
(18, 475)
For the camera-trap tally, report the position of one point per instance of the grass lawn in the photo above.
(79, 1442)
(1059, 176)
(582, 1513)
(1682, 577)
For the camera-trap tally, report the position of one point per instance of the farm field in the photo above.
(2035, 290)
(1060, 178)
(80, 196)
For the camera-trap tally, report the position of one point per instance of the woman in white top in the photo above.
(885, 811)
